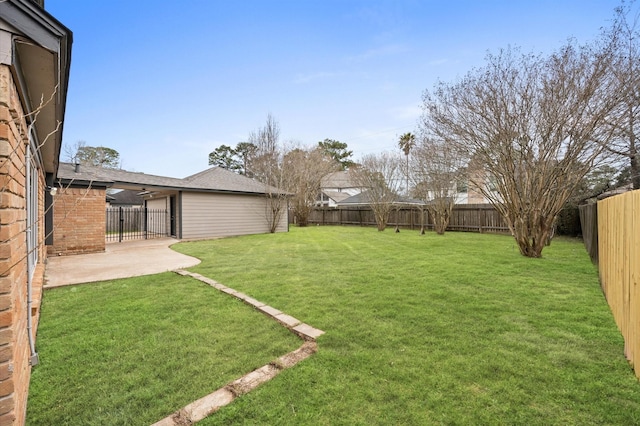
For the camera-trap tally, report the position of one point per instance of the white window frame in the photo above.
(32, 195)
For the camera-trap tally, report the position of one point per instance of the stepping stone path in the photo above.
(211, 403)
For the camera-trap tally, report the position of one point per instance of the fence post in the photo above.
(121, 225)
(411, 218)
(463, 218)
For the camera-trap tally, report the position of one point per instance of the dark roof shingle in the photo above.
(339, 179)
(214, 179)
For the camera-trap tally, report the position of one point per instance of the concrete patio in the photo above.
(119, 260)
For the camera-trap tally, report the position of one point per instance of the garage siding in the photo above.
(158, 223)
(158, 203)
(221, 215)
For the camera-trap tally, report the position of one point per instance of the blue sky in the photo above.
(165, 82)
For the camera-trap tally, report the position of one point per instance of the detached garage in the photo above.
(217, 215)
(213, 203)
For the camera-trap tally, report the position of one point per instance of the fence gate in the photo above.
(131, 223)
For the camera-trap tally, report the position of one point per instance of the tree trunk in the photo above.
(274, 212)
(441, 220)
(440, 224)
(532, 235)
(301, 214)
(382, 217)
(634, 169)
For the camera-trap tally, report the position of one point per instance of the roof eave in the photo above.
(82, 183)
(41, 67)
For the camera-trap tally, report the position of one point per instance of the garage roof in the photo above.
(214, 179)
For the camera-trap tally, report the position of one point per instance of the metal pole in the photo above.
(121, 228)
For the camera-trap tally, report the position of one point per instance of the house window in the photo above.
(462, 186)
(32, 208)
(492, 183)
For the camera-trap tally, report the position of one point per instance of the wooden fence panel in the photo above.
(619, 265)
(464, 217)
(589, 226)
(634, 275)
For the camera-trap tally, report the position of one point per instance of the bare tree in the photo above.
(536, 124)
(266, 166)
(624, 34)
(71, 151)
(436, 169)
(304, 170)
(380, 176)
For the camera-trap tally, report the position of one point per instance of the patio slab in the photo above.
(119, 260)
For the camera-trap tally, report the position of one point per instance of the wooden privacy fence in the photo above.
(619, 265)
(465, 217)
(589, 224)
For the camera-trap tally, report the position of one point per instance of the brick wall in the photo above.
(15, 369)
(79, 218)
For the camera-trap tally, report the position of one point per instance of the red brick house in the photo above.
(35, 52)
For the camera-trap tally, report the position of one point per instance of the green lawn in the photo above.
(453, 329)
(130, 352)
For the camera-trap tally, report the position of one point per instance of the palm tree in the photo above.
(406, 143)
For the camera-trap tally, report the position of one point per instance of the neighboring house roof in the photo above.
(214, 179)
(616, 191)
(362, 199)
(341, 179)
(42, 47)
(127, 197)
(336, 196)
